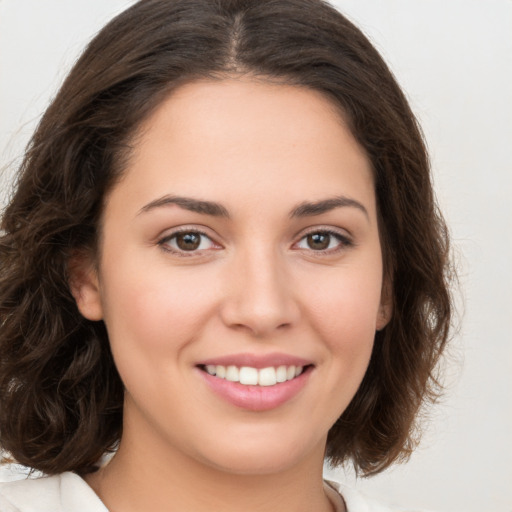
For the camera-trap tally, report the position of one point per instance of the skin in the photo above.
(255, 285)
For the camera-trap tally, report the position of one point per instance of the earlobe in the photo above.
(84, 286)
(386, 307)
(384, 316)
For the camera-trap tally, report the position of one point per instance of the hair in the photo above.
(61, 397)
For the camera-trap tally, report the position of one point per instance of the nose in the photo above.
(259, 296)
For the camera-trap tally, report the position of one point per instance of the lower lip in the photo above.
(256, 398)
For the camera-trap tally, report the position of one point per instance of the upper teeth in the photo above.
(254, 376)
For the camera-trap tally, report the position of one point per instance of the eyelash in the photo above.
(164, 242)
(344, 242)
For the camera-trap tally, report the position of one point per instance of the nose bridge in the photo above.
(261, 296)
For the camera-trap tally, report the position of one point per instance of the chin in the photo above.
(243, 458)
(255, 465)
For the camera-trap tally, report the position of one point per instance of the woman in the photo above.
(224, 262)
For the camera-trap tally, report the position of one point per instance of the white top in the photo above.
(68, 492)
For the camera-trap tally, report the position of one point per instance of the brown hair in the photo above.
(60, 394)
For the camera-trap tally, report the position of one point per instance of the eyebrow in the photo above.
(305, 209)
(310, 209)
(187, 203)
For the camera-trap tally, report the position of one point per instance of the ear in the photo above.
(84, 285)
(386, 305)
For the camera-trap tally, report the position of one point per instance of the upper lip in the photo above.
(256, 360)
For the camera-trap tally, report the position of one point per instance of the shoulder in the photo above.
(358, 502)
(66, 492)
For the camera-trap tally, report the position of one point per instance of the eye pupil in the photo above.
(188, 241)
(318, 241)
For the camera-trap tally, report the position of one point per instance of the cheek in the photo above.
(349, 332)
(343, 312)
(154, 311)
(346, 307)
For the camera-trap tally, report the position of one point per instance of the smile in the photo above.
(249, 376)
(256, 383)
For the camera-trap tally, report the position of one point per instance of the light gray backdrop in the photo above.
(453, 58)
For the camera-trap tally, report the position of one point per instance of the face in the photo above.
(240, 275)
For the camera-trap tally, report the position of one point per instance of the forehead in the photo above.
(244, 109)
(231, 137)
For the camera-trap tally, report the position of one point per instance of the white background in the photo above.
(454, 59)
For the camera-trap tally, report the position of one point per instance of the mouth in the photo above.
(251, 376)
(256, 382)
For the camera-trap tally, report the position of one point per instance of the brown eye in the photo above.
(318, 241)
(324, 242)
(188, 241)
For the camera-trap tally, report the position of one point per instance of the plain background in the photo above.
(453, 58)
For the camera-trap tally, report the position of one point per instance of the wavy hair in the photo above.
(61, 398)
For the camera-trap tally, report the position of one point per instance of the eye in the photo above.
(187, 242)
(323, 241)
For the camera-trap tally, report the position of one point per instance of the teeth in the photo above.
(252, 376)
(281, 374)
(232, 374)
(267, 377)
(248, 376)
